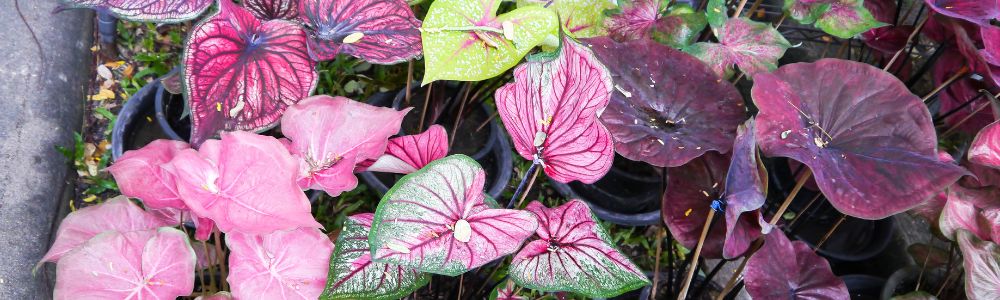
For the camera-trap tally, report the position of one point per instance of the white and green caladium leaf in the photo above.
(353, 275)
(465, 39)
(506, 291)
(573, 254)
(753, 46)
(847, 18)
(438, 220)
(580, 18)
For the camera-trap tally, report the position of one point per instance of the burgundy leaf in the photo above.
(976, 11)
(982, 267)
(273, 9)
(378, 31)
(160, 11)
(438, 220)
(745, 193)
(887, 39)
(991, 43)
(870, 143)
(279, 265)
(118, 214)
(985, 149)
(688, 198)
(573, 254)
(353, 275)
(550, 111)
(956, 94)
(783, 269)
(241, 73)
(662, 115)
(138, 174)
(752, 46)
(409, 153)
(968, 42)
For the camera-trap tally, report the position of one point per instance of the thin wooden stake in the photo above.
(801, 212)
(409, 79)
(739, 8)
(531, 182)
(960, 122)
(788, 200)
(961, 72)
(830, 232)
(656, 266)
(736, 275)
(908, 40)
(458, 118)
(697, 253)
(423, 112)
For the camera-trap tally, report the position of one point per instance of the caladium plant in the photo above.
(985, 149)
(506, 291)
(676, 26)
(289, 264)
(139, 175)
(752, 46)
(783, 269)
(982, 266)
(579, 18)
(353, 274)
(550, 111)
(377, 31)
(841, 18)
(241, 73)
(407, 154)
(975, 11)
(438, 220)
(573, 253)
(971, 209)
(273, 9)
(160, 11)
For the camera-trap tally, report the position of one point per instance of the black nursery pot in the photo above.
(150, 114)
(628, 195)
(863, 287)
(489, 146)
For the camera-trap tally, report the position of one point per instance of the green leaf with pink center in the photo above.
(752, 46)
(353, 274)
(579, 18)
(846, 19)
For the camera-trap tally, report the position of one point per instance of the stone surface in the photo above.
(42, 89)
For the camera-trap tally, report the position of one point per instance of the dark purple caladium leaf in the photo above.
(159, 11)
(956, 94)
(438, 220)
(746, 191)
(353, 275)
(273, 9)
(377, 31)
(573, 254)
(783, 269)
(242, 73)
(869, 142)
(975, 11)
(753, 46)
(887, 39)
(666, 116)
(982, 267)
(691, 188)
(677, 27)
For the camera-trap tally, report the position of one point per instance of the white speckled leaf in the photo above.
(579, 18)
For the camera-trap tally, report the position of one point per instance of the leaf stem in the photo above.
(533, 171)
(697, 253)
(423, 112)
(220, 254)
(458, 117)
(463, 28)
(409, 80)
(656, 266)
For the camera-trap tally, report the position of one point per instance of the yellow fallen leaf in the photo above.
(90, 198)
(115, 64)
(103, 94)
(129, 70)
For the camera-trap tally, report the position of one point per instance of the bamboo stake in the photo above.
(961, 72)
(697, 253)
(830, 232)
(656, 266)
(908, 40)
(423, 112)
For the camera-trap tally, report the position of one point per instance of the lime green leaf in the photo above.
(717, 13)
(580, 18)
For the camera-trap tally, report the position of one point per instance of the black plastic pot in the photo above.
(490, 147)
(904, 281)
(151, 113)
(628, 195)
(864, 287)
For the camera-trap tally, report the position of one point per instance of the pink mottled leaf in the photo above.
(280, 265)
(971, 209)
(378, 31)
(118, 214)
(241, 73)
(273, 9)
(506, 291)
(573, 254)
(138, 174)
(147, 264)
(160, 11)
(846, 19)
(975, 11)
(887, 39)
(752, 46)
(438, 220)
(967, 42)
(676, 26)
(985, 149)
(245, 184)
(331, 135)
(783, 269)
(636, 20)
(807, 11)
(869, 142)
(666, 116)
(407, 154)
(550, 111)
(353, 275)
(982, 267)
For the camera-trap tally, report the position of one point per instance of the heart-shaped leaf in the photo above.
(580, 18)
(869, 142)
(975, 11)
(273, 9)
(666, 116)
(118, 214)
(241, 73)
(717, 14)
(353, 275)
(466, 40)
(970, 209)
(506, 291)
(409, 153)
(982, 267)
(985, 149)
(147, 264)
(746, 192)
(138, 174)
(245, 183)
(783, 269)
(753, 46)
(550, 111)
(438, 220)
(677, 27)
(280, 265)
(573, 254)
(807, 11)
(377, 31)
(847, 18)
(331, 135)
(160, 11)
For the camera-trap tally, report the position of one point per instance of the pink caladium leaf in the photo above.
(666, 116)
(409, 153)
(869, 142)
(118, 214)
(550, 111)
(975, 11)
(245, 183)
(280, 265)
(573, 254)
(159, 11)
(273, 9)
(783, 269)
(991, 44)
(967, 42)
(752, 46)
(353, 274)
(331, 135)
(148, 264)
(377, 31)
(138, 174)
(506, 291)
(241, 73)
(677, 26)
(846, 19)
(438, 220)
(982, 267)
(807, 11)
(217, 296)
(985, 149)
(970, 209)
(956, 94)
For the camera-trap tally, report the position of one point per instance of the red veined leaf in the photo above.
(331, 135)
(636, 20)
(138, 174)
(677, 27)
(438, 220)
(870, 143)
(279, 265)
(550, 111)
(147, 264)
(975, 11)
(666, 116)
(783, 269)
(273, 9)
(241, 73)
(971, 209)
(753, 46)
(409, 153)
(506, 291)
(160, 11)
(985, 149)
(377, 31)
(745, 193)
(982, 267)
(353, 275)
(573, 254)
